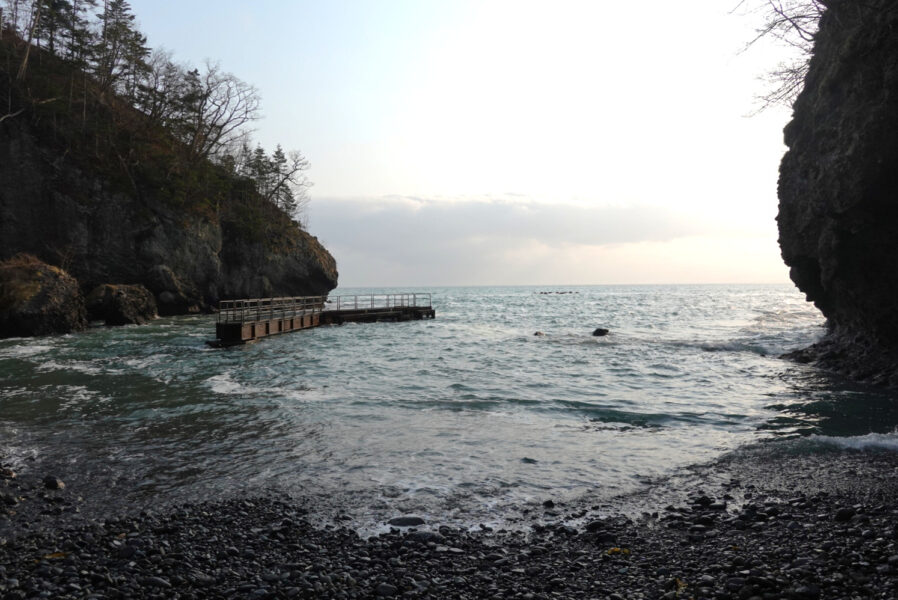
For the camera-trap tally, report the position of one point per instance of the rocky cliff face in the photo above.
(56, 210)
(838, 188)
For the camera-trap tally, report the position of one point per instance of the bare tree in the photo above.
(160, 86)
(792, 23)
(35, 19)
(216, 106)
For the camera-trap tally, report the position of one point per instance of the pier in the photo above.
(248, 320)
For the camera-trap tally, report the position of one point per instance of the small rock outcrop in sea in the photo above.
(838, 214)
(600, 331)
(121, 304)
(38, 299)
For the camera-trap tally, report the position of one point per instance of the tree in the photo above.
(12, 14)
(81, 38)
(214, 109)
(289, 185)
(160, 88)
(794, 24)
(35, 19)
(121, 51)
(54, 20)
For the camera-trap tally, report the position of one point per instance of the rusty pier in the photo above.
(248, 320)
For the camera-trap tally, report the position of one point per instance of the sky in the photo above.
(494, 142)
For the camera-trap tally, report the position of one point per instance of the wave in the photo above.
(79, 366)
(225, 385)
(742, 346)
(870, 441)
(25, 350)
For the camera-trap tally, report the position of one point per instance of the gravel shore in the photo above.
(759, 525)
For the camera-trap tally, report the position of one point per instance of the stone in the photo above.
(52, 483)
(121, 304)
(157, 582)
(406, 521)
(38, 299)
(594, 526)
(600, 332)
(844, 515)
(425, 537)
(386, 590)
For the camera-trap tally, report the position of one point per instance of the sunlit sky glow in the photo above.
(511, 142)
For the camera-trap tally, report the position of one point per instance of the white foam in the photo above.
(24, 350)
(146, 361)
(77, 395)
(871, 441)
(80, 366)
(224, 384)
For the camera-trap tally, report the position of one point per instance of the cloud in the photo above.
(488, 240)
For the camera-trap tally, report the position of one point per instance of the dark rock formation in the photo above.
(37, 299)
(103, 230)
(838, 189)
(121, 304)
(600, 332)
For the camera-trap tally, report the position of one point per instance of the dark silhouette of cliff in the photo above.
(838, 189)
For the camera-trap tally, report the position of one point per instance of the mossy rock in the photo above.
(38, 299)
(121, 304)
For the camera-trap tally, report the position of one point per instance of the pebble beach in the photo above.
(788, 526)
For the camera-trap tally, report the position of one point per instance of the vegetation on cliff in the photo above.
(85, 75)
(792, 23)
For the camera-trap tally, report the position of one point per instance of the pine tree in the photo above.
(54, 22)
(81, 36)
(122, 51)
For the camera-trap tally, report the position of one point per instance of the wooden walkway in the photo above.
(245, 321)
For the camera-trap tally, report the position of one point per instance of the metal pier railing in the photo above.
(246, 320)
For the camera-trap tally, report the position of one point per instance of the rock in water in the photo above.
(838, 215)
(121, 304)
(601, 331)
(38, 299)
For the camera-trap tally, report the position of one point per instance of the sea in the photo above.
(462, 419)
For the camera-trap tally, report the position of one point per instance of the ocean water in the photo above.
(461, 419)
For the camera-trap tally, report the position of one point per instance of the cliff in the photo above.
(106, 198)
(838, 189)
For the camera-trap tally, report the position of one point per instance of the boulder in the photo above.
(121, 304)
(174, 295)
(601, 331)
(38, 299)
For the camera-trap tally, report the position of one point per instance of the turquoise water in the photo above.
(457, 418)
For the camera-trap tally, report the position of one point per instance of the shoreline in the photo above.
(764, 523)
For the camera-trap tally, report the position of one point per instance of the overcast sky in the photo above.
(487, 142)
